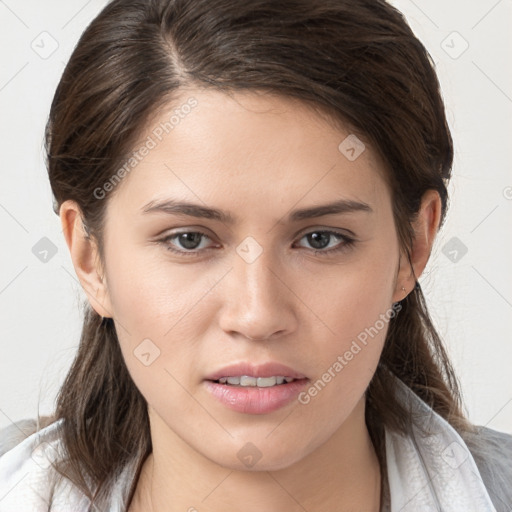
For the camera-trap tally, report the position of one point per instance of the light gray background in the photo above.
(470, 295)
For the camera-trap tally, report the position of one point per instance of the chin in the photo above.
(250, 458)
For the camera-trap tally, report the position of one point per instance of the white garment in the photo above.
(435, 473)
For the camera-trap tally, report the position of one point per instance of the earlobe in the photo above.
(85, 258)
(425, 228)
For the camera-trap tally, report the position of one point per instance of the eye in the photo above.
(189, 241)
(320, 239)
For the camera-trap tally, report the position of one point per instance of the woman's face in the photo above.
(265, 284)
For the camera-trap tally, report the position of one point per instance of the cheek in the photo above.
(355, 307)
(151, 294)
(157, 323)
(162, 311)
(352, 296)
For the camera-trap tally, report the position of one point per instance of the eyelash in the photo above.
(347, 243)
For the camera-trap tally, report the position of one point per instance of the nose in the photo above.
(258, 303)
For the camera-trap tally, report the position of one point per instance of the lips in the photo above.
(255, 399)
(270, 369)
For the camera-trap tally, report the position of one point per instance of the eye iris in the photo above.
(319, 240)
(189, 240)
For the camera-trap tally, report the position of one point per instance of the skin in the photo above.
(259, 157)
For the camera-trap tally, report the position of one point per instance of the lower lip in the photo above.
(254, 400)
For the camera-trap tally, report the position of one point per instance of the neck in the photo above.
(342, 474)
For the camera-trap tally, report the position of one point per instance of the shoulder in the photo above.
(27, 478)
(492, 452)
(491, 448)
(487, 474)
(15, 433)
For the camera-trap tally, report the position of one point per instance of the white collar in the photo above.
(434, 472)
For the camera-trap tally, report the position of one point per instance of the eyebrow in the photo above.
(173, 207)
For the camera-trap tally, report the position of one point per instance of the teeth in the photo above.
(260, 382)
(266, 382)
(247, 381)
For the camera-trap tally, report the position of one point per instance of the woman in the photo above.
(249, 193)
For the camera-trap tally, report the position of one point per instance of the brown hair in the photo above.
(356, 59)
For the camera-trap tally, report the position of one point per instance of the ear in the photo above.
(85, 257)
(425, 228)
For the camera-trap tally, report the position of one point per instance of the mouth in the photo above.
(248, 381)
(261, 375)
(255, 389)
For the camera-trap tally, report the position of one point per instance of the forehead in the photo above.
(249, 150)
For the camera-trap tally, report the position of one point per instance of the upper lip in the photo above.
(269, 369)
